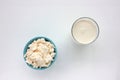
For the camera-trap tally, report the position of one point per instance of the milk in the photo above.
(85, 30)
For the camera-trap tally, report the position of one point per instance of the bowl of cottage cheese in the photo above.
(40, 53)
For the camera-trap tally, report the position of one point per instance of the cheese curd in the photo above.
(40, 53)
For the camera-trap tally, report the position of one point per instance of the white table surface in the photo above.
(21, 20)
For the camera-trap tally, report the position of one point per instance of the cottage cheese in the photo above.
(40, 53)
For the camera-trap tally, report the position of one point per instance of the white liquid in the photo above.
(85, 30)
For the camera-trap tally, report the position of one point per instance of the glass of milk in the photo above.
(85, 30)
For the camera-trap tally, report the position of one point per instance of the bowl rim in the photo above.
(30, 41)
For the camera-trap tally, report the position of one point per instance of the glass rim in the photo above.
(92, 20)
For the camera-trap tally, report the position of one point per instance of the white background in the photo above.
(21, 20)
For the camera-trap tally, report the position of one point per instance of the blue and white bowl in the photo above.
(36, 38)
